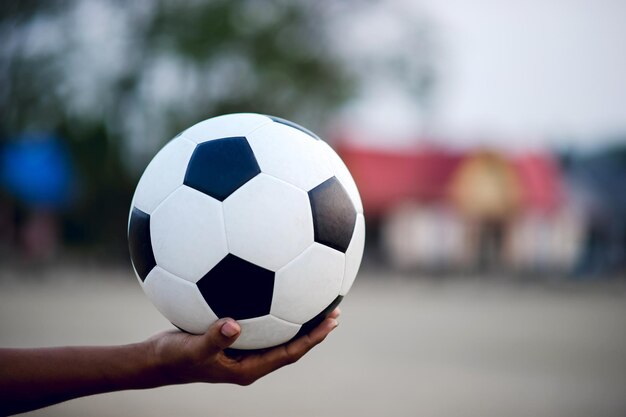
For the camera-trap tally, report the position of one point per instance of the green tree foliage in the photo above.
(217, 56)
(117, 79)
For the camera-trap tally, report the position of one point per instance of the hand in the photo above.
(184, 357)
(35, 378)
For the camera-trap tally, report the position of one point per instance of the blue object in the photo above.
(35, 169)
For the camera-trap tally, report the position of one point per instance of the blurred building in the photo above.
(486, 193)
(597, 188)
(474, 210)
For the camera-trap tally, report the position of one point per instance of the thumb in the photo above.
(221, 334)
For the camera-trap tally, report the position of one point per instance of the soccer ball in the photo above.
(251, 217)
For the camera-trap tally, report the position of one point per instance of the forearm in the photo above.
(35, 378)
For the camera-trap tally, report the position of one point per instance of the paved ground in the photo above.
(405, 347)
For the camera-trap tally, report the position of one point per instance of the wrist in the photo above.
(155, 364)
(165, 361)
(135, 367)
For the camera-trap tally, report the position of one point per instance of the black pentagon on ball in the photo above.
(219, 167)
(294, 125)
(238, 289)
(334, 215)
(140, 244)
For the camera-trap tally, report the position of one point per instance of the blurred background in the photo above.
(488, 141)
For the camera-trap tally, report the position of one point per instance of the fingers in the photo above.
(295, 349)
(335, 313)
(221, 335)
(259, 365)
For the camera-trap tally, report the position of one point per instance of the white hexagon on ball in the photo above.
(290, 155)
(188, 236)
(354, 254)
(230, 125)
(264, 331)
(308, 284)
(178, 300)
(343, 176)
(268, 222)
(164, 174)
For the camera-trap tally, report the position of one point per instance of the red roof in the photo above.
(387, 177)
(540, 176)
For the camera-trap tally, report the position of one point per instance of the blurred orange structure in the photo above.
(486, 192)
(486, 187)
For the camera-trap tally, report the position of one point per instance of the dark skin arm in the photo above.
(35, 378)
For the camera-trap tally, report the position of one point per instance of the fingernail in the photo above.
(333, 323)
(230, 328)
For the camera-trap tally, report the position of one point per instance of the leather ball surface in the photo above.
(251, 217)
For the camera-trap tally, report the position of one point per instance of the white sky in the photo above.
(517, 73)
(513, 74)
